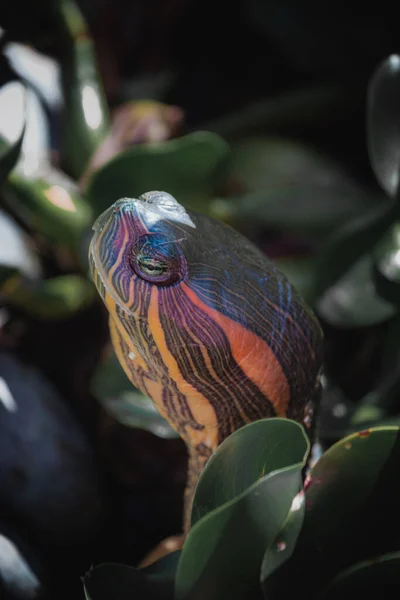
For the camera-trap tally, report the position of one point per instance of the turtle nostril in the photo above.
(156, 197)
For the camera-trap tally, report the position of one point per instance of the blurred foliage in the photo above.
(274, 168)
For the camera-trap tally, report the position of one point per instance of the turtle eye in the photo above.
(157, 260)
(150, 266)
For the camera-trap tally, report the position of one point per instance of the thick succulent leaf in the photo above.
(135, 122)
(127, 405)
(334, 413)
(50, 205)
(351, 512)
(353, 300)
(307, 209)
(121, 582)
(284, 544)
(387, 265)
(86, 111)
(253, 451)
(48, 299)
(262, 162)
(378, 577)
(297, 110)
(242, 499)
(382, 402)
(349, 243)
(288, 186)
(186, 167)
(383, 126)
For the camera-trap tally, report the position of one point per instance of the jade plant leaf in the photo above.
(386, 274)
(49, 204)
(86, 112)
(383, 119)
(282, 547)
(381, 403)
(187, 167)
(127, 405)
(349, 243)
(48, 299)
(242, 499)
(370, 578)
(353, 301)
(288, 186)
(120, 582)
(351, 513)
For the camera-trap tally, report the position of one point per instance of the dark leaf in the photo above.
(387, 266)
(351, 512)
(288, 186)
(383, 123)
(48, 299)
(353, 300)
(186, 167)
(378, 577)
(120, 582)
(49, 204)
(86, 111)
(242, 500)
(349, 243)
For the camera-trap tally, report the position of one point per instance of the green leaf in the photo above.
(86, 111)
(288, 186)
(49, 299)
(127, 405)
(370, 578)
(382, 402)
(351, 512)
(186, 167)
(349, 243)
(387, 265)
(383, 122)
(285, 542)
(121, 582)
(50, 205)
(299, 110)
(305, 209)
(242, 499)
(353, 301)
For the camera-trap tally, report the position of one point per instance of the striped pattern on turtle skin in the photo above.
(202, 321)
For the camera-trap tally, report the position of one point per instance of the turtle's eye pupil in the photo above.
(156, 260)
(151, 266)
